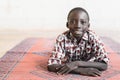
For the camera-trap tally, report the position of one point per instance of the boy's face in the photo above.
(78, 23)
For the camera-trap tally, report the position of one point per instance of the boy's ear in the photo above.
(67, 24)
(88, 25)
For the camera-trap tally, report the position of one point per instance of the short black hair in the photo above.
(79, 9)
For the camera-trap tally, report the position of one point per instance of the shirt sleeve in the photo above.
(58, 52)
(100, 54)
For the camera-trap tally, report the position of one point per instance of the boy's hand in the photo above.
(68, 67)
(90, 71)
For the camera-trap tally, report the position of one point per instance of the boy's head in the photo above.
(78, 21)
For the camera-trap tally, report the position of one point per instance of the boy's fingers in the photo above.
(93, 74)
(98, 72)
(67, 72)
(62, 71)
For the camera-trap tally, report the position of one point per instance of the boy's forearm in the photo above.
(77, 71)
(97, 65)
(54, 67)
(80, 64)
(87, 71)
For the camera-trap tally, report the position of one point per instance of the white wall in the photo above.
(50, 14)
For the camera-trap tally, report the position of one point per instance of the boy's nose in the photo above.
(78, 25)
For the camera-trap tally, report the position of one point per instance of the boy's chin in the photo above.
(77, 35)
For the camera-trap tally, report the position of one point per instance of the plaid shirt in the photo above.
(67, 49)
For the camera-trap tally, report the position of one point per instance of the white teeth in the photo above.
(78, 32)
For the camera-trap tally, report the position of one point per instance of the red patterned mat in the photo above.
(28, 61)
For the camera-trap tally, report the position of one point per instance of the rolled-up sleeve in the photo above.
(98, 49)
(58, 51)
(101, 54)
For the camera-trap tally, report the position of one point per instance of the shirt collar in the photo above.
(70, 36)
(85, 36)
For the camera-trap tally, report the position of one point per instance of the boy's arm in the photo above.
(87, 71)
(80, 70)
(54, 67)
(98, 65)
(81, 67)
(81, 64)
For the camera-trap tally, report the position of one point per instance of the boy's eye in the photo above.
(83, 22)
(72, 21)
(75, 22)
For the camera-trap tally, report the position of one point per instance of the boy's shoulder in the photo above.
(62, 36)
(94, 36)
(91, 32)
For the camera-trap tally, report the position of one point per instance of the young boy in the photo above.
(78, 50)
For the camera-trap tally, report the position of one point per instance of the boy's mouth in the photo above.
(78, 31)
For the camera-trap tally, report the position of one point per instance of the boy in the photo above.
(78, 50)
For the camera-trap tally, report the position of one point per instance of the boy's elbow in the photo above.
(51, 68)
(104, 67)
